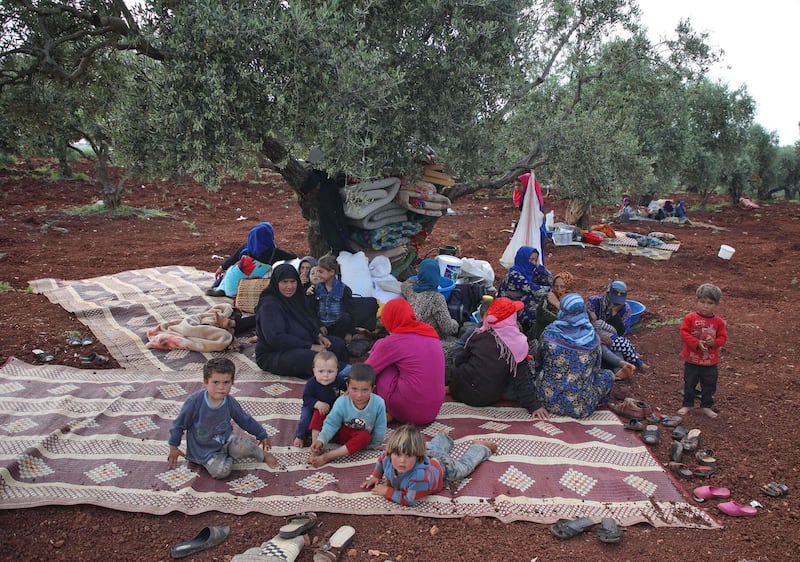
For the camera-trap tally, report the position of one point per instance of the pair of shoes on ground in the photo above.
(608, 531)
(733, 508)
(43, 356)
(94, 359)
(631, 408)
(688, 438)
(286, 546)
(665, 420)
(706, 463)
(78, 341)
(775, 489)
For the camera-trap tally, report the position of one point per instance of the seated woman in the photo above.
(428, 303)
(253, 259)
(547, 311)
(409, 366)
(526, 281)
(611, 316)
(288, 334)
(304, 268)
(494, 362)
(569, 380)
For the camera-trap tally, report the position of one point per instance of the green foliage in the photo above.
(6, 287)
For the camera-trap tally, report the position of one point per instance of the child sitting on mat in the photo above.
(206, 418)
(319, 394)
(408, 470)
(356, 421)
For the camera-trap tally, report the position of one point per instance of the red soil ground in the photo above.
(758, 392)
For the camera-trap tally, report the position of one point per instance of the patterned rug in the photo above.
(82, 436)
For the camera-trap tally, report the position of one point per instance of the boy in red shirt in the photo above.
(703, 334)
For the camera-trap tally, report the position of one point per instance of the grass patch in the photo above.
(710, 207)
(5, 287)
(54, 175)
(123, 211)
(667, 322)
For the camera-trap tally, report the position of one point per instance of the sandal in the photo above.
(679, 433)
(704, 493)
(650, 435)
(671, 421)
(298, 525)
(94, 359)
(634, 425)
(704, 471)
(608, 531)
(676, 451)
(681, 469)
(569, 528)
(691, 441)
(87, 341)
(335, 545)
(706, 457)
(74, 341)
(43, 355)
(775, 490)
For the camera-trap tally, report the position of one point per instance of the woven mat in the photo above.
(73, 436)
(630, 247)
(82, 436)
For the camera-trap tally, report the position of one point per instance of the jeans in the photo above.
(236, 447)
(440, 448)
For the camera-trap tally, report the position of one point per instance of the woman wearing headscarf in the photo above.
(409, 365)
(495, 363)
(253, 259)
(288, 332)
(428, 303)
(527, 281)
(547, 311)
(569, 380)
(304, 268)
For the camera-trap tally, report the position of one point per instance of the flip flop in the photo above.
(634, 425)
(671, 421)
(87, 341)
(706, 457)
(650, 435)
(704, 493)
(775, 490)
(679, 433)
(43, 355)
(676, 451)
(94, 359)
(681, 469)
(691, 441)
(205, 539)
(608, 531)
(569, 528)
(704, 471)
(298, 525)
(737, 509)
(332, 550)
(74, 341)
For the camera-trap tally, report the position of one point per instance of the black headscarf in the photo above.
(295, 307)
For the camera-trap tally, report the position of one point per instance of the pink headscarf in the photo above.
(519, 196)
(502, 318)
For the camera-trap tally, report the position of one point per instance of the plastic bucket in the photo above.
(449, 266)
(726, 252)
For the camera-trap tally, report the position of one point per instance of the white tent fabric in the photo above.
(528, 231)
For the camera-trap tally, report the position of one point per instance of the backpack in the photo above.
(464, 300)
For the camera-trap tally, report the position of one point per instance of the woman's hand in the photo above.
(324, 341)
(317, 347)
(541, 414)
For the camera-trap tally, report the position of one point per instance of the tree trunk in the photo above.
(112, 194)
(579, 214)
(64, 169)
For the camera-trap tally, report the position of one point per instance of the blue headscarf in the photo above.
(260, 239)
(572, 328)
(428, 277)
(523, 263)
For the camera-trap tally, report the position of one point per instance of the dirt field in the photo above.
(754, 436)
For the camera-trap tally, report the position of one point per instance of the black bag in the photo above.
(364, 312)
(464, 300)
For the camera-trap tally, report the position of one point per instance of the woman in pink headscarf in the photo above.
(409, 365)
(521, 186)
(494, 362)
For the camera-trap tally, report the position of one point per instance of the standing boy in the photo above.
(703, 334)
(206, 418)
(356, 421)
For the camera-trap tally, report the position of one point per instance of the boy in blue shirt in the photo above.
(408, 470)
(206, 418)
(356, 421)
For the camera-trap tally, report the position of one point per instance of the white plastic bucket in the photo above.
(726, 252)
(449, 266)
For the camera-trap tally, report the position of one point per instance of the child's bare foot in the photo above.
(710, 413)
(625, 372)
(643, 368)
(683, 411)
(491, 445)
(319, 460)
(271, 460)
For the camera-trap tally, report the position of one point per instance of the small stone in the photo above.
(59, 543)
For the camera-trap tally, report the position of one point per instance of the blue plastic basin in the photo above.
(637, 309)
(445, 285)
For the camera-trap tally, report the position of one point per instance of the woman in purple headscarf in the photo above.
(253, 259)
(527, 281)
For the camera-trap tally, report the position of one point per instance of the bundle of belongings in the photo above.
(211, 330)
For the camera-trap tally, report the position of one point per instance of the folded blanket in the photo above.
(422, 198)
(396, 254)
(200, 332)
(361, 199)
(385, 237)
(388, 214)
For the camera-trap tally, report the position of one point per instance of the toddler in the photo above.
(357, 419)
(408, 470)
(703, 334)
(333, 300)
(206, 418)
(320, 392)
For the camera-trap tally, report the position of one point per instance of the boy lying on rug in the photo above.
(206, 418)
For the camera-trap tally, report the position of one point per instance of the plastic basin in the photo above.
(637, 309)
(445, 285)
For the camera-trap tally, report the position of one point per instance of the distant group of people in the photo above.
(538, 343)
